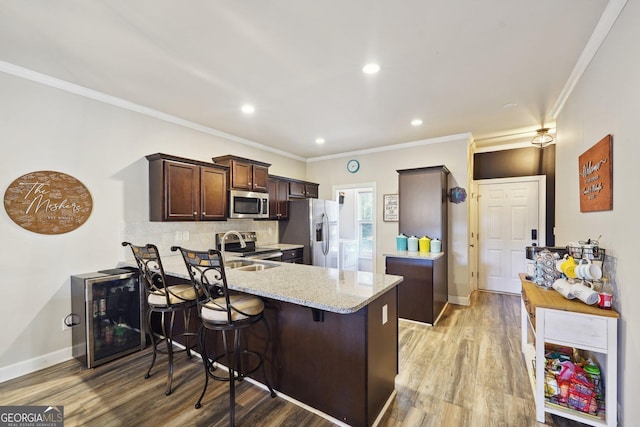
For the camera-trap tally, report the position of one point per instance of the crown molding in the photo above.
(393, 147)
(66, 86)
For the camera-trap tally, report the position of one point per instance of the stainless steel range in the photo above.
(233, 246)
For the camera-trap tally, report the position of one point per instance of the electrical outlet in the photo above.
(185, 235)
(65, 327)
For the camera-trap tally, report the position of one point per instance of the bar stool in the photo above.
(222, 312)
(163, 298)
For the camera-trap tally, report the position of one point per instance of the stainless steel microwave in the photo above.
(248, 204)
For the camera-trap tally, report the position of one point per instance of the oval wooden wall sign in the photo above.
(48, 202)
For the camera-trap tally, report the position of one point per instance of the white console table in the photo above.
(548, 317)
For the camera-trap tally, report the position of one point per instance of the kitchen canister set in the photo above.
(414, 244)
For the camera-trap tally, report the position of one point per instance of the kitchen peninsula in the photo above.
(334, 334)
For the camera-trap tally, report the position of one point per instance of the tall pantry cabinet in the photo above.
(423, 202)
(423, 211)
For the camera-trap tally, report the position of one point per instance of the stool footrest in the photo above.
(238, 374)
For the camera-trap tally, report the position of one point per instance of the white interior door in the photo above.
(508, 212)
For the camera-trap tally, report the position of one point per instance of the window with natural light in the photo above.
(365, 223)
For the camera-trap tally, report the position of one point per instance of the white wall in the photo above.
(380, 167)
(607, 100)
(103, 146)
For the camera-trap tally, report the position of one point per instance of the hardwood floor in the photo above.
(466, 371)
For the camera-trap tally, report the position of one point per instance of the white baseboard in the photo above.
(28, 366)
(460, 300)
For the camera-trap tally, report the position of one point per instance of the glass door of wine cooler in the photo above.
(109, 306)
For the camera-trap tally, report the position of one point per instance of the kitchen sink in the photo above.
(237, 264)
(256, 267)
(247, 265)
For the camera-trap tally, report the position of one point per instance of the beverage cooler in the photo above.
(108, 309)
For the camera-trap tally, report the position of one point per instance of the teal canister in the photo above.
(401, 242)
(436, 245)
(412, 244)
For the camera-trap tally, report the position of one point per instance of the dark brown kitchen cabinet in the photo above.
(213, 193)
(245, 174)
(423, 212)
(278, 198)
(423, 202)
(312, 190)
(293, 256)
(303, 190)
(186, 190)
(423, 293)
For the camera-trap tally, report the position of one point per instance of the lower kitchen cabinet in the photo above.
(294, 256)
(423, 293)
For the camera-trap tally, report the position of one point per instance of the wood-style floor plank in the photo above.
(465, 371)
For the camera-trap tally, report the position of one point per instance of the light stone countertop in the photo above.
(329, 289)
(416, 255)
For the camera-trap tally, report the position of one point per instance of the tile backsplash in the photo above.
(193, 235)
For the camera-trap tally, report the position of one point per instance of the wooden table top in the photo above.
(550, 298)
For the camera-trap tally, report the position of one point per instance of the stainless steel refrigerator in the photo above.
(313, 223)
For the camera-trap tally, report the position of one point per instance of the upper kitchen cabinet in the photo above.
(278, 198)
(303, 190)
(423, 202)
(186, 190)
(245, 174)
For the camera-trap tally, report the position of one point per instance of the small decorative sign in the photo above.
(391, 207)
(596, 177)
(48, 202)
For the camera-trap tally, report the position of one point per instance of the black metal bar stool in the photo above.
(164, 298)
(222, 312)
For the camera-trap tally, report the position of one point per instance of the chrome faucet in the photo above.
(224, 237)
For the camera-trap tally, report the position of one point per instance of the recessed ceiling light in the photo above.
(371, 68)
(248, 109)
(416, 122)
(320, 141)
(509, 105)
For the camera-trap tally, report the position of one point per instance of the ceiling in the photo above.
(457, 65)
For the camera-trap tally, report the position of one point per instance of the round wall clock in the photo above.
(353, 166)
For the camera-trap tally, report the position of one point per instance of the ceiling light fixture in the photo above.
(371, 68)
(320, 141)
(542, 138)
(416, 122)
(248, 109)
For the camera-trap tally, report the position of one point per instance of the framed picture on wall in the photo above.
(596, 177)
(391, 207)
